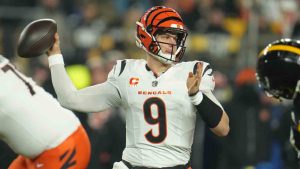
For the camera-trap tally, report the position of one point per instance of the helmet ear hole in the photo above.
(149, 28)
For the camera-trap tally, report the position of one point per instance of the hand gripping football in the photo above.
(36, 38)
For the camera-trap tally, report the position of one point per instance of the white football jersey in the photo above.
(160, 118)
(31, 120)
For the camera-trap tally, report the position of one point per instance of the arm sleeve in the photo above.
(91, 99)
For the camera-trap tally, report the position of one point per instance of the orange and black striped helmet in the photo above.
(278, 68)
(157, 20)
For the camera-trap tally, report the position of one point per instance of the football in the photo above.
(36, 38)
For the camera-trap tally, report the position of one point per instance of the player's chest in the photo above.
(168, 90)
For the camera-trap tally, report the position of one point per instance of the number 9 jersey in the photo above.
(160, 117)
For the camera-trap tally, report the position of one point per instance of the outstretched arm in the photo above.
(91, 99)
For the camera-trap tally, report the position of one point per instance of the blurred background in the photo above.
(226, 33)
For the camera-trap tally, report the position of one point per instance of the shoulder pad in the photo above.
(118, 68)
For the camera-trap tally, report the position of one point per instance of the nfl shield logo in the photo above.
(154, 83)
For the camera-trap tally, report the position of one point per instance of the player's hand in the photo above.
(56, 46)
(194, 80)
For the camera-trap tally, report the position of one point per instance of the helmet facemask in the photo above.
(279, 91)
(177, 50)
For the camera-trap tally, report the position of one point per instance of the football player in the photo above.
(278, 68)
(35, 126)
(160, 95)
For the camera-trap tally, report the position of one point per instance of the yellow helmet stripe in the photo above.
(280, 48)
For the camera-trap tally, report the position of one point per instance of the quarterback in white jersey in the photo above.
(160, 95)
(36, 127)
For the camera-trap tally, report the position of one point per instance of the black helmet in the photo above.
(278, 68)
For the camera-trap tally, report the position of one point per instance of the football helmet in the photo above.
(159, 20)
(278, 68)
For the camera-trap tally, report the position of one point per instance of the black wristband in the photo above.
(210, 112)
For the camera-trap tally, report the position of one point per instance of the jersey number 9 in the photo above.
(160, 120)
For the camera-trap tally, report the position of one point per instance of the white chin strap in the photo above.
(162, 59)
(167, 58)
